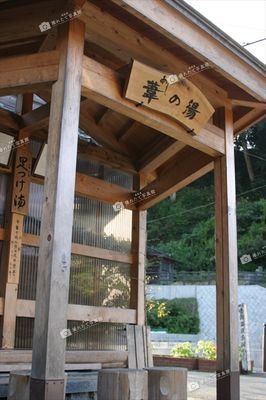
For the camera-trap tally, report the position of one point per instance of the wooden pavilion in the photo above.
(110, 155)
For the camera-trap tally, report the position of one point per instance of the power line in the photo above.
(183, 212)
(205, 205)
(252, 155)
(256, 41)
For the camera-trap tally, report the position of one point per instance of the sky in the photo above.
(243, 20)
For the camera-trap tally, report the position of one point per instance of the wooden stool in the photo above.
(19, 385)
(166, 383)
(121, 384)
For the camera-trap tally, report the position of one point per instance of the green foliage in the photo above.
(184, 228)
(183, 350)
(174, 316)
(206, 349)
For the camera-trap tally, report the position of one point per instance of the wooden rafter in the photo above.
(9, 121)
(104, 137)
(249, 119)
(249, 104)
(127, 133)
(174, 25)
(106, 157)
(23, 21)
(185, 167)
(36, 124)
(159, 154)
(125, 43)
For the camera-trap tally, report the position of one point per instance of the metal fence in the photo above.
(207, 278)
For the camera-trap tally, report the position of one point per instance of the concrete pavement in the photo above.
(202, 386)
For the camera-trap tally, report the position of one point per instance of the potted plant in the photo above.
(182, 355)
(206, 352)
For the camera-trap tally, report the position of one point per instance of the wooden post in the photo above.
(48, 359)
(139, 236)
(167, 383)
(227, 269)
(13, 242)
(121, 384)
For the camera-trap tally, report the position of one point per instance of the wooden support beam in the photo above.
(21, 21)
(126, 43)
(106, 157)
(177, 27)
(24, 73)
(226, 269)
(159, 154)
(47, 375)
(83, 250)
(75, 312)
(100, 190)
(114, 123)
(9, 121)
(182, 169)
(100, 134)
(249, 119)
(25, 356)
(101, 84)
(249, 104)
(129, 131)
(138, 246)
(38, 119)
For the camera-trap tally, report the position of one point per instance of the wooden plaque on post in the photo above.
(169, 94)
(22, 173)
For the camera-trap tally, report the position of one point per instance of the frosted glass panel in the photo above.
(95, 223)
(93, 281)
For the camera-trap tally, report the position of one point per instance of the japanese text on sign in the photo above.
(21, 182)
(180, 99)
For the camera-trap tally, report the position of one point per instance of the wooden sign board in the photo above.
(22, 173)
(181, 100)
(15, 248)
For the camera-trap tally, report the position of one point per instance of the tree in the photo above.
(183, 227)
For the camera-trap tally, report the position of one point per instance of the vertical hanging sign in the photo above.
(22, 173)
